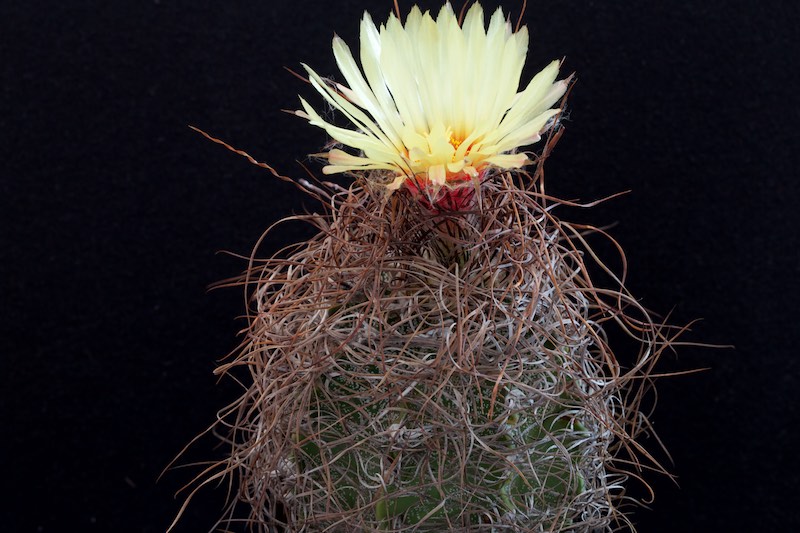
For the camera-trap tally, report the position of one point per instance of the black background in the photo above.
(113, 212)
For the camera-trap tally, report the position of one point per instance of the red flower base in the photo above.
(457, 195)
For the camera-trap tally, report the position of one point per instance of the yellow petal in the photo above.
(437, 175)
(508, 160)
(431, 98)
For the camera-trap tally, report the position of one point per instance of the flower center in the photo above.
(455, 142)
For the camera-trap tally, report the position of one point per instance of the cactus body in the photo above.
(421, 371)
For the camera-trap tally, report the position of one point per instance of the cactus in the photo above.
(423, 372)
(434, 358)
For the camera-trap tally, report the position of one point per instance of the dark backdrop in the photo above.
(113, 212)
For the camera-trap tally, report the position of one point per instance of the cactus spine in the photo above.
(414, 370)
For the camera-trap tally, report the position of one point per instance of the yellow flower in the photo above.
(437, 102)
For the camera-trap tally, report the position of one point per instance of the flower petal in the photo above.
(435, 99)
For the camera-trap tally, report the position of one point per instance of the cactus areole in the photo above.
(433, 358)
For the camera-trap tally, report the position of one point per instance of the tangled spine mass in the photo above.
(410, 371)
